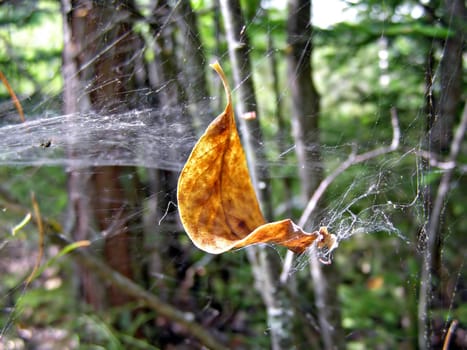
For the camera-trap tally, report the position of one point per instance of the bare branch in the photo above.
(434, 160)
(352, 159)
(451, 329)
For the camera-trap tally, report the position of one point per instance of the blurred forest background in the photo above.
(371, 108)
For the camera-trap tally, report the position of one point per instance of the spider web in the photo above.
(150, 139)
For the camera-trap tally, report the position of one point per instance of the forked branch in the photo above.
(352, 159)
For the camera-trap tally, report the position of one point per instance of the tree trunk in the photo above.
(305, 98)
(265, 263)
(450, 79)
(79, 219)
(440, 125)
(305, 113)
(194, 66)
(283, 130)
(98, 45)
(250, 129)
(181, 94)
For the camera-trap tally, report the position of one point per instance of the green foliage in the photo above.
(30, 53)
(48, 186)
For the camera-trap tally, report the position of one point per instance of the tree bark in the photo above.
(440, 125)
(79, 218)
(450, 79)
(305, 114)
(99, 44)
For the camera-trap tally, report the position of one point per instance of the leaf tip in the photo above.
(217, 67)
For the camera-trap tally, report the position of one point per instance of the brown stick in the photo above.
(451, 329)
(15, 100)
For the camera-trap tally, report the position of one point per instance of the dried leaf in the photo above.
(216, 199)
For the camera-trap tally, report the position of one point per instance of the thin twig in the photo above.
(352, 159)
(14, 98)
(23, 223)
(451, 329)
(434, 160)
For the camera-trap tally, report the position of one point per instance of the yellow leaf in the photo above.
(216, 199)
(375, 283)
